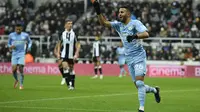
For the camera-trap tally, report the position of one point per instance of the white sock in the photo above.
(141, 108)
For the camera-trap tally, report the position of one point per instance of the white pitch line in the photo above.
(67, 109)
(91, 96)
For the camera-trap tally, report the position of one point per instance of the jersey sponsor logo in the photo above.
(23, 37)
(121, 28)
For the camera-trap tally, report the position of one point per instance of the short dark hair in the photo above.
(68, 20)
(126, 7)
(18, 25)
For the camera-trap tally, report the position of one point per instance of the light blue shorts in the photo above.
(17, 60)
(121, 61)
(137, 68)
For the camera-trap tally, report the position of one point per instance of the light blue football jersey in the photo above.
(133, 49)
(121, 55)
(121, 52)
(19, 41)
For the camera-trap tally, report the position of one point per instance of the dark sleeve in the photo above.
(76, 36)
(60, 38)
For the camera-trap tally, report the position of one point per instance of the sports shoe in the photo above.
(94, 77)
(21, 87)
(157, 95)
(140, 110)
(101, 77)
(63, 81)
(16, 84)
(120, 76)
(71, 88)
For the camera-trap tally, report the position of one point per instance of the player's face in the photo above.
(123, 14)
(68, 25)
(18, 29)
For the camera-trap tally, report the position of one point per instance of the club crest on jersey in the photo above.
(130, 27)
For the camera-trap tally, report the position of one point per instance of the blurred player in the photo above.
(121, 59)
(96, 57)
(130, 31)
(59, 60)
(17, 43)
(69, 51)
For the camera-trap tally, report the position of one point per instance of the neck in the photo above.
(127, 21)
(68, 30)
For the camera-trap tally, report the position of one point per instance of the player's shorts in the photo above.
(136, 68)
(121, 61)
(96, 59)
(18, 60)
(69, 61)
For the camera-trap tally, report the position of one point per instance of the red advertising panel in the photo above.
(167, 71)
(108, 69)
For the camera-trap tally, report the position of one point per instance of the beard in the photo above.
(122, 20)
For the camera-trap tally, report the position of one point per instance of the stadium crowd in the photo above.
(163, 19)
(108, 53)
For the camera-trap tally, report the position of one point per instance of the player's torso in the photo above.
(121, 52)
(19, 41)
(133, 48)
(68, 44)
(96, 48)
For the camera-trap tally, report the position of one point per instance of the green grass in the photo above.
(112, 94)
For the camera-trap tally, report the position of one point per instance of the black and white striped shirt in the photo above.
(96, 49)
(68, 44)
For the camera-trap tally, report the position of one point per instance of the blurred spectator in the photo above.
(188, 54)
(29, 58)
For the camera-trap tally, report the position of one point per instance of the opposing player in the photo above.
(59, 61)
(96, 57)
(130, 31)
(121, 59)
(69, 52)
(17, 43)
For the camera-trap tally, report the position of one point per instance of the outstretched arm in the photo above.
(101, 18)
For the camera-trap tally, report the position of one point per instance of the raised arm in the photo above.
(101, 18)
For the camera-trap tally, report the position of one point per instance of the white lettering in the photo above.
(197, 71)
(157, 71)
(35, 70)
(53, 70)
(5, 69)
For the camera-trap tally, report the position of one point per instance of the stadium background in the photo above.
(173, 57)
(173, 26)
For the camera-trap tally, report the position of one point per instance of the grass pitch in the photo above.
(112, 94)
